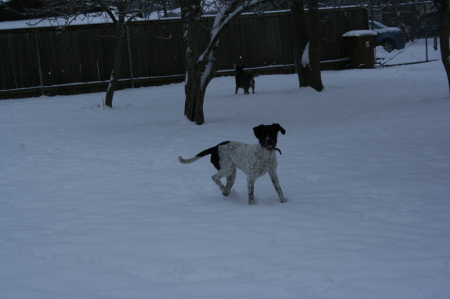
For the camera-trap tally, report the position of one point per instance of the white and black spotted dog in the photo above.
(255, 160)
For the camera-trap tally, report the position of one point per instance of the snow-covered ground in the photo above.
(94, 203)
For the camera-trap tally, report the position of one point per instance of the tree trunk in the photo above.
(399, 19)
(415, 24)
(443, 7)
(299, 36)
(115, 70)
(193, 106)
(314, 78)
(196, 84)
(305, 28)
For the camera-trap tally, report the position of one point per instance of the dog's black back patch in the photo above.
(214, 152)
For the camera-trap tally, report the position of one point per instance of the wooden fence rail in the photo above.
(36, 61)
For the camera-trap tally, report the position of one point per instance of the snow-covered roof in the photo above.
(80, 20)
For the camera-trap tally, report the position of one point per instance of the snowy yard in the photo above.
(94, 203)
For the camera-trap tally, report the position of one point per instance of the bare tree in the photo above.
(121, 13)
(200, 62)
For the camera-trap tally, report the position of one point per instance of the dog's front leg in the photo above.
(274, 177)
(251, 189)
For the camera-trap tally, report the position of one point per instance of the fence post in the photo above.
(41, 80)
(130, 58)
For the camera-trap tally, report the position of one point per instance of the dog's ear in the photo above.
(258, 130)
(279, 128)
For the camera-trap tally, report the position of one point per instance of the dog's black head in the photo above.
(267, 135)
(239, 68)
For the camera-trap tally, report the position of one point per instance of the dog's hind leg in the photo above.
(230, 182)
(216, 178)
(228, 171)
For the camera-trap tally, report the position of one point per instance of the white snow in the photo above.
(358, 33)
(38, 23)
(94, 203)
(88, 19)
(305, 56)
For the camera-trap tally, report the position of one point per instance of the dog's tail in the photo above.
(214, 151)
(187, 161)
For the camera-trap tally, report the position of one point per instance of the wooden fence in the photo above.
(36, 61)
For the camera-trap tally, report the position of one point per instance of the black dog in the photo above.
(244, 80)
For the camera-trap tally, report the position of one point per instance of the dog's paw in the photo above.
(251, 202)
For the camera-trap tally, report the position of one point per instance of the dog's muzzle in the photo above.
(270, 146)
(270, 143)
